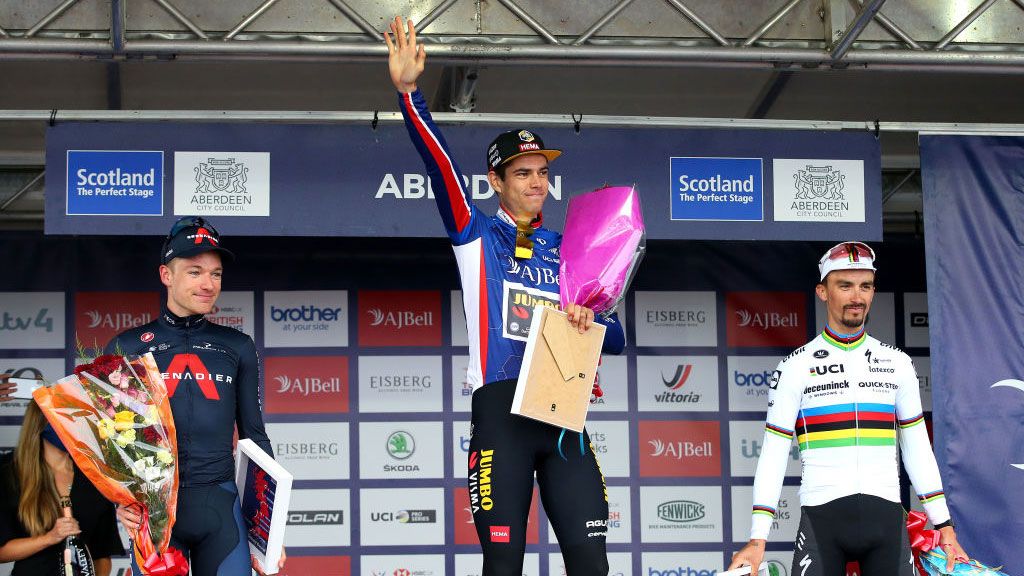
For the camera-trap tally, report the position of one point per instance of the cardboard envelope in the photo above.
(558, 370)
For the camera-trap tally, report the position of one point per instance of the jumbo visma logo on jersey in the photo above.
(480, 490)
(519, 303)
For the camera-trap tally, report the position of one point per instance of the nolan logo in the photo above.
(767, 320)
(829, 369)
(306, 386)
(400, 319)
(681, 511)
(116, 321)
(680, 450)
(316, 518)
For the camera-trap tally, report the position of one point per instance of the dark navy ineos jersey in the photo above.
(212, 375)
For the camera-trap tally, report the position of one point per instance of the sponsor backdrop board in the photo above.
(273, 179)
(366, 402)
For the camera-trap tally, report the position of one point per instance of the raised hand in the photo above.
(406, 58)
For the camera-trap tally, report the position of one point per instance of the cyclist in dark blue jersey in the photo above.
(212, 374)
(508, 263)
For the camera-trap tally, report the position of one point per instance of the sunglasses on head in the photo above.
(191, 222)
(849, 251)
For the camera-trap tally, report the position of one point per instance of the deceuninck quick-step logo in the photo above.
(717, 189)
(114, 183)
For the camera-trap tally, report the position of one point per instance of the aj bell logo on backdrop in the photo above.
(117, 321)
(399, 319)
(767, 320)
(307, 385)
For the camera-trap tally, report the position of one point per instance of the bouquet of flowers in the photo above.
(929, 557)
(602, 245)
(114, 418)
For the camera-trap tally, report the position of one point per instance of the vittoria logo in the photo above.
(679, 378)
(681, 511)
(675, 382)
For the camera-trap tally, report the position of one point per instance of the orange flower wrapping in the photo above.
(118, 428)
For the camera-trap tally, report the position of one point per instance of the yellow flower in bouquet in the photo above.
(165, 457)
(124, 420)
(125, 438)
(152, 416)
(105, 428)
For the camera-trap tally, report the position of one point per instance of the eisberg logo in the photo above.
(681, 511)
(677, 317)
(312, 450)
(400, 319)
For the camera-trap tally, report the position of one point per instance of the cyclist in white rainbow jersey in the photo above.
(847, 398)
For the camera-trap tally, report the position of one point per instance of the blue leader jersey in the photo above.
(499, 291)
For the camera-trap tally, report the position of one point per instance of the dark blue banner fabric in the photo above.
(974, 224)
(365, 354)
(349, 180)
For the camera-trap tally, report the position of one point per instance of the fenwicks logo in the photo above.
(399, 318)
(681, 511)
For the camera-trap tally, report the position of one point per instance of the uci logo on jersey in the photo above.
(829, 369)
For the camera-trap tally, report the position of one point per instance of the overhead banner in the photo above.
(352, 180)
(974, 233)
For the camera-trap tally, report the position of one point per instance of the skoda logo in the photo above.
(401, 445)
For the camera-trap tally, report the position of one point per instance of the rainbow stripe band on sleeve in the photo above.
(912, 421)
(781, 432)
(764, 510)
(931, 496)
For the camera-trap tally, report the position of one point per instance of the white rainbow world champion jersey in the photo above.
(498, 290)
(846, 401)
